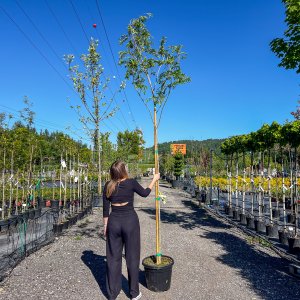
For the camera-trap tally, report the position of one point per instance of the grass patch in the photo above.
(78, 238)
(253, 240)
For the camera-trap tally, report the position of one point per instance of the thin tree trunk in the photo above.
(269, 187)
(260, 187)
(236, 181)
(3, 185)
(10, 183)
(296, 193)
(244, 184)
(283, 190)
(252, 183)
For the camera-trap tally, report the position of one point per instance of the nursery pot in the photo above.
(13, 220)
(40, 202)
(230, 211)
(236, 214)
(294, 245)
(275, 213)
(243, 219)
(25, 215)
(37, 213)
(259, 226)
(31, 214)
(57, 228)
(158, 277)
(250, 222)
(283, 237)
(4, 224)
(66, 224)
(291, 218)
(55, 204)
(271, 230)
(175, 183)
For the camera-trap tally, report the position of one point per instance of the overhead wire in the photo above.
(78, 18)
(109, 65)
(45, 123)
(61, 27)
(38, 50)
(40, 33)
(110, 48)
(85, 34)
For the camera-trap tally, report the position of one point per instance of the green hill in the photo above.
(192, 147)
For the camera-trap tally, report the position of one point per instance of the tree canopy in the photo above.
(288, 47)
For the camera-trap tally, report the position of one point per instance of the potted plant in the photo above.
(178, 167)
(154, 74)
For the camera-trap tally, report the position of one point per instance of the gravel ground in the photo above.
(212, 259)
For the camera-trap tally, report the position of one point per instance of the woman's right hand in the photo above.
(156, 177)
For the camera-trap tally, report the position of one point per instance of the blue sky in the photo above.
(236, 82)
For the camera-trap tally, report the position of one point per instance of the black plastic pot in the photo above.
(13, 220)
(65, 224)
(41, 202)
(57, 228)
(31, 214)
(243, 219)
(25, 215)
(288, 203)
(259, 226)
(230, 212)
(294, 245)
(272, 230)
(226, 207)
(291, 218)
(275, 213)
(250, 222)
(176, 183)
(158, 278)
(37, 213)
(236, 215)
(283, 237)
(55, 205)
(4, 224)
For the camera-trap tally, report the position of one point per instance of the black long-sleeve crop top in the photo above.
(124, 192)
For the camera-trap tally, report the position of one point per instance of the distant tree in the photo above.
(288, 47)
(296, 113)
(178, 164)
(91, 86)
(130, 143)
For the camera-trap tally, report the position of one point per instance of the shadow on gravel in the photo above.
(194, 218)
(266, 274)
(97, 264)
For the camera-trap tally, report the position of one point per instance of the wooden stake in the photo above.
(157, 202)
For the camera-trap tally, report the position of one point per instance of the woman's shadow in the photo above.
(97, 265)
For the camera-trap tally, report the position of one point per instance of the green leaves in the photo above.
(288, 48)
(154, 72)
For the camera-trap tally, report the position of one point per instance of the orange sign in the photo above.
(178, 148)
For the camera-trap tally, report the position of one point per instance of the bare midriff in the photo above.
(119, 204)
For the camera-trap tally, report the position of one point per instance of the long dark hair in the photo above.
(117, 173)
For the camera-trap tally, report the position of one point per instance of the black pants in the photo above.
(123, 228)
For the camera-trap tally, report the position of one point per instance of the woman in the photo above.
(122, 227)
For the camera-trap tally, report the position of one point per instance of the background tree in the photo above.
(178, 164)
(91, 86)
(154, 74)
(288, 47)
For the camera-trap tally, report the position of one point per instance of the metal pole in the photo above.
(210, 175)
